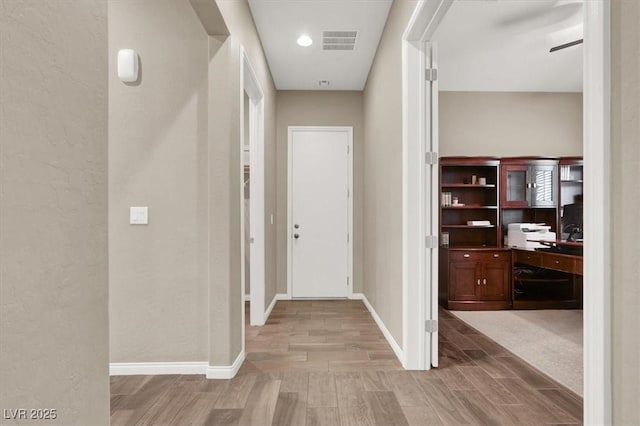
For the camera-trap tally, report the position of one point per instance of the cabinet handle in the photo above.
(484, 281)
(466, 255)
(557, 262)
(478, 281)
(496, 255)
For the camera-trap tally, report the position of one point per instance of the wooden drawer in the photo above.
(496, 256)
(463, 255)
(480, 256)
(559, 263)
(532, 258)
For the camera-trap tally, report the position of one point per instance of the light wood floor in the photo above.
(327, 363)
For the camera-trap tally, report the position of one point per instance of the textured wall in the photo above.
(320, 108)
(625, 197)
(53, 209)
(383, 173)
(510, 124)
(239, 20)
(226, 295)
(157, 158)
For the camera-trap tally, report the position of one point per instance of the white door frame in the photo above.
(249, 84)
(349, 131)
(597, 274)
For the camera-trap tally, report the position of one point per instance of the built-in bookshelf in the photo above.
(469, 215)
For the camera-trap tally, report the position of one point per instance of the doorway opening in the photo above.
(422, 198)
(252, 193)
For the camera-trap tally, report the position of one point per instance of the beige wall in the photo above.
(320, 108)
(53, 209)
(625, 197)
(224, 157)
(382, 228)
(157, 158)
(510, 124)
(175, 147)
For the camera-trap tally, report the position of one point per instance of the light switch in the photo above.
(139, 215)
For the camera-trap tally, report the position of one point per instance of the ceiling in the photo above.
(503, 45)
(281, 22)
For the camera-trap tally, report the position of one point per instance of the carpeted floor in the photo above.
(550, 340)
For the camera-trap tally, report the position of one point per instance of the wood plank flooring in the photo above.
(327, 363)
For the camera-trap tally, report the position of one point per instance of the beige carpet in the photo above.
(550, 340)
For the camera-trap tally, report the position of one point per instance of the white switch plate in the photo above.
(139, 215)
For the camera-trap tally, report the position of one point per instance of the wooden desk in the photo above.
(559, 274)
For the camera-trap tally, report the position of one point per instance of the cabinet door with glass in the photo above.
(543, 185)
(515, 185)
(532, 184)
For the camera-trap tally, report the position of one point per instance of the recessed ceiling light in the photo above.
(305, 41)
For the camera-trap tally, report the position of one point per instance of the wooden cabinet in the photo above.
(546, 280)
(475, 279)
(480, 197)
(529, 183)
(529, 192)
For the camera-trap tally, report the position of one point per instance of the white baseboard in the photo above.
(356, 296)
(282, 296)
(394, 345)
(225, 372)
(153, 368)
(270, 308)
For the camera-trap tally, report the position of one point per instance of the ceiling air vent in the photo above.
(339, 40)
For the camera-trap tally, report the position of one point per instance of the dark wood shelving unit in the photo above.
(475, 273)
(476, 269)
(480, 202)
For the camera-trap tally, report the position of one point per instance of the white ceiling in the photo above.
(503, 45)
(281, 22)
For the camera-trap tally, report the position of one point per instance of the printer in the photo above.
(520, 234)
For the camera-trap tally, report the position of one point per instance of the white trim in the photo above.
(155, 368)
(283, 296)
(270, 308)
(597, 253)
(387, 334)
(225, 372)
(249, 84)
(419, 265)
(356, 296)
(290, 130)
(247, 298)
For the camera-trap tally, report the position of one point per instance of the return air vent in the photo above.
(339, 40)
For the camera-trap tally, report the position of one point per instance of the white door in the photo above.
(319, 214)
(433, 199)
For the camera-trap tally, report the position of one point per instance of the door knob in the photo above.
(296, 226)
(296, 236)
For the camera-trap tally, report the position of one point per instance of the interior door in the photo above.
(319, 212)
(432, 202)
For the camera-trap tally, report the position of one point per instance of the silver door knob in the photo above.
(296, 236)
(296, 226)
